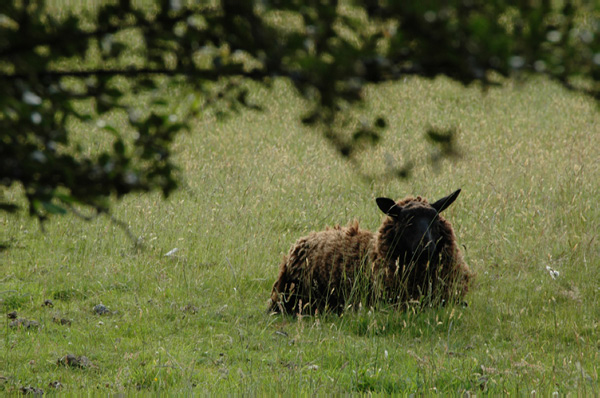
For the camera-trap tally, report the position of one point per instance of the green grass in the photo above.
(258, 181)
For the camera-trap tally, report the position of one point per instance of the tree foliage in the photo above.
(60, 71)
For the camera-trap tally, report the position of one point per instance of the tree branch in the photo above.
(199, 73)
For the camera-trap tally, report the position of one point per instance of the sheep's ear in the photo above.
(388, 206)
(444, 202)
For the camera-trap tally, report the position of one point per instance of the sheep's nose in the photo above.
(430, 247)
(422, 246)
(427, 246)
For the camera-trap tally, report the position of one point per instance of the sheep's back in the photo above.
(321, 266)
(328, 254)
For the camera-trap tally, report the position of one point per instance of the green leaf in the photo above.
(108, 127)
(49, 207)
(53, 209)
(65, 198)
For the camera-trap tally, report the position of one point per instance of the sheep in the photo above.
(412, 258)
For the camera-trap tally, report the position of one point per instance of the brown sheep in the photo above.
(413, 257)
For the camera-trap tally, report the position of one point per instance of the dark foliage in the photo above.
(59, 71)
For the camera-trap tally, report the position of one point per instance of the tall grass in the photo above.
(254, 183)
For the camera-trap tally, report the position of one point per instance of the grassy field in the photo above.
(196, 321)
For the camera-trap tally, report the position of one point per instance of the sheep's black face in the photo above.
(415, 226)
(416, 233)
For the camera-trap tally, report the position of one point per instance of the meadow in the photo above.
(195, 321)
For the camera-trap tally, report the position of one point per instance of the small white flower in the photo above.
(553, 273)
(385, 354)
(172, 252)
